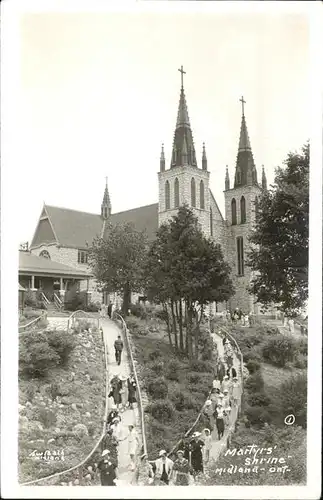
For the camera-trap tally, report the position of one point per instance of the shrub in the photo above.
(194, 378)
(173, 369)
(157, 367)
(157, 388)
(301, 346)
(62, 343)
(162, 410)
(253, 365)
(257, 415)
(198, 365)
(251, 354)
(46, 417)
(92, 307)
(200, 388)
(300, 361)
(292, 398)
(255, 382)
(161, 314)
(279, 349)
(184, 400)
(36, 356)
(154, 355)
(258, 399)
(138, 310)
(75, 303)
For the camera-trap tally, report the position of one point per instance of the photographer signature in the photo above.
(48, 455)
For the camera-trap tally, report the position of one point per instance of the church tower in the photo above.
(106, 203)
(184, 182)
(240, 213)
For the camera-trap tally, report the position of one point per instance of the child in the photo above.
(206, 436)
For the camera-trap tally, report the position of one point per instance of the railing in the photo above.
(44, 298)
(72, 318)
(140, 405)
(102, 436)
(57, 301)
(33, 321)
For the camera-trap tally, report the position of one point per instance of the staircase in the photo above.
(52, 305)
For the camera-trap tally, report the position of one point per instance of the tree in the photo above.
(280, 255)
(185, 271)
(117, 261)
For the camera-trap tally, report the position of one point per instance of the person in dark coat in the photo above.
(220, 371)
(109, 309)
(107, 469)
(112, 414)
(116, 386)
(132, 388)
(219, 416)
(196, 453)
(118, 347)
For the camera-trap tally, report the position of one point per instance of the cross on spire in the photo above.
(106, 181)
(182, 73)
(243, 102)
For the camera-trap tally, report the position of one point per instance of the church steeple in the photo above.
(162, 159)
(183, 145)
(246, 173)
(227, 179)
(106, 203)
(264, 179)
(204, 158)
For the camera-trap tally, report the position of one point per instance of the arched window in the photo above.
(193, 193)
(202, 195)
(240, 256)
(234, 211)
(167, 196)
(176, 193)
(211, 222)
(44, 254)
(243, 209)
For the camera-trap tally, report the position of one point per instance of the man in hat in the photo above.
(164, 467)
(196, 453)
(118, 346)
(107, 469)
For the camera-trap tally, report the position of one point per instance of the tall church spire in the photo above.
(183, 145)
(204, 158)
(246, 173)
(162, 159)
(227, 179)
(264, 179)
(106, 203)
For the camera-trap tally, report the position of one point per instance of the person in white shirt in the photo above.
(207, 438)
(164, 467)
(216, 384)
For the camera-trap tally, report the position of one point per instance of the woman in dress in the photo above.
(181, 470)
(226, 406)
(207, 438)
(196, 453)
(132, 388)
(146, 473)
(133, 445)
(219, 414)
(235, 391)
(116, 386)
(208, 413)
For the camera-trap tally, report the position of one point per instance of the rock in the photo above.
(40, 441)
(81, 430)
(90, 468)
(57, 430)
(74, 407)
(73, 374)
(40, 426)
(79, 405)
(88, 414)
(61, 406)
(88, 477)
(76, 481)
(52, 440)
(21, 407)
(28, 404)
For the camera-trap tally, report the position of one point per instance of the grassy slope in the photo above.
(85, 388)
(166, 435)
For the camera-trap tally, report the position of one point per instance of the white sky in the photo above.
(99, 94)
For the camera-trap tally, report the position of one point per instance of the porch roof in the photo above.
(30, 264)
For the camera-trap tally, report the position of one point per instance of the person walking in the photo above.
(220, 370)
(113, 308)
(109, 309)
(225, 383)
(145, 473)
(181, 470)
(116, 386)
(216, 384)
(219, 414)
(132, 388)
(112, 415)
(196, 453)
(208, 413)
(235, 391)
(226, 406)
(164, 467)
(207, 438)
(133, 445)
(118, 347)
(107, 469)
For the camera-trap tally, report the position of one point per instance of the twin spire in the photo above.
(183, 152)
(106, 203)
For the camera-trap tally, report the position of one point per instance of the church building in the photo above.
(65, 235)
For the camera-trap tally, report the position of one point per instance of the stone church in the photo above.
(64, 235)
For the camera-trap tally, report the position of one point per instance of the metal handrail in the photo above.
(58, 302)
(74, 313)
(35, 320)
(140, 405)
(102, 436)
(45, 299)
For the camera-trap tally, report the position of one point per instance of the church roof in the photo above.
(30, 263)
(246, 173)
(75, 229)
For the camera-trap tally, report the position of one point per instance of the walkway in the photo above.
(128, 417)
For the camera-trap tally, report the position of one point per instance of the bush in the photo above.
(157, 367)
(300, 361)
(257, 415)
(162, 410)
(46, 417)
(138, 310)
(255, 382)
(36, 356)
(253, 365)
(155, 355)
(157, 388)
(249, 354)
(198, 365)
(62, 343)
(292, 398)
(173, 369)
(258, 399)
(301, 346)
(279, 350)
(92, 307)
(184, 400)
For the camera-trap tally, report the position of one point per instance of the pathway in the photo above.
(110, 334)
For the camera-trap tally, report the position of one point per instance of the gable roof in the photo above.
(74, 229)
(31, 263)
(217, 206)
